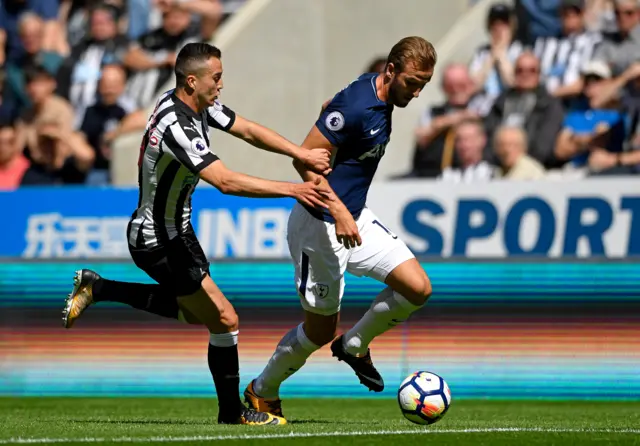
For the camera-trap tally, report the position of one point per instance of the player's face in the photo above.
(407, 84)
(209, 83)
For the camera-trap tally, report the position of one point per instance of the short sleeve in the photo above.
(220, 116)
(47, 9)
(339, 121)
(186, 146)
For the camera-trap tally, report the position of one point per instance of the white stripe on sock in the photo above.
(224, 339)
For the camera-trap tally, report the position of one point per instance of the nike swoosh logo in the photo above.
(373, 132)
(375, 381)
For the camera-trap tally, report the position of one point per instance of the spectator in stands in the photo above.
(530, 106)
(59, 156)
(492, 65)
(588, 129)
(11, 48)
(600, 16)
(153, 56)
(377, 65)
(45, 107)
(103, 118)
(79, 75)
(511, 151)
(435, 134)
(207, 14)
(13, 164)
(562, 57)
(30, 30)
(74, 21)
(470, 143)
(621, 50)
(536, 19)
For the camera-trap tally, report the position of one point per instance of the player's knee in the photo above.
(420, 291)
(320, 329)
(229, 319)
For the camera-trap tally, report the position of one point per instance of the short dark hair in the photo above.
(33, 72)
(190, 59)
(6, 123)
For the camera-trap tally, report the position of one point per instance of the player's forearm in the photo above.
(234, 183)
(336, 206)
(266, 139)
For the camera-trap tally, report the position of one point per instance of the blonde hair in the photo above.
(414, 50)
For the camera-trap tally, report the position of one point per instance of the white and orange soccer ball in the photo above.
(424, 397)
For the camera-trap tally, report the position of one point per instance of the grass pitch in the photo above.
(315, 422)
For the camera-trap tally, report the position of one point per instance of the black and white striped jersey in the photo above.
(563, 58)
(174, 149)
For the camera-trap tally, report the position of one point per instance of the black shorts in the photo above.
(180, 265)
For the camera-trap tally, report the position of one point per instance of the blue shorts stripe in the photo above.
(304, 275)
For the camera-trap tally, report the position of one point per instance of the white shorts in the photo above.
(321, 261)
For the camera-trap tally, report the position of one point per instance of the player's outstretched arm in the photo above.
(310, 193)
(316, 159)
(346, 228)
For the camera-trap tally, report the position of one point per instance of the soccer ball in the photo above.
(424, 397)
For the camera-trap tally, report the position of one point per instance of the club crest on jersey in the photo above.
(320, 290)
(199, 146)
(334, 121)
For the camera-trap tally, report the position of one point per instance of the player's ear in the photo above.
(191, 82)
(389, 70)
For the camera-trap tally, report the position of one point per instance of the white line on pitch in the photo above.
(309, 435)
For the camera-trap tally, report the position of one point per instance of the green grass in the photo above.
(326, 421)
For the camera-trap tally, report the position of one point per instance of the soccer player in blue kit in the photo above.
(356, 126)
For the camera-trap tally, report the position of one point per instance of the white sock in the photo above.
(224, 339)
(387, 310)
(291, 354)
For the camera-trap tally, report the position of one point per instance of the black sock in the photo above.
(225, 369)
(151, 298)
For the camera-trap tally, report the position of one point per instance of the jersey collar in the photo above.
(184, 107)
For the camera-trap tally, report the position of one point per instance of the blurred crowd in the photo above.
(554, 92)
(75, 74)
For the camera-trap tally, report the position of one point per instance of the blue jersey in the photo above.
(359, 125)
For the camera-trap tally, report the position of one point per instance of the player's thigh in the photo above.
(198, 294)
(155, 262)
(381, 254)
(319, 262)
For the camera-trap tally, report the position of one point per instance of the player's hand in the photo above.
(318, 160)
(313, 194)
(347, 230)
